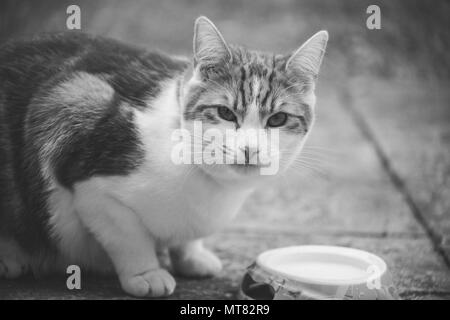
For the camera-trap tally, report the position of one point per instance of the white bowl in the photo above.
(317, 272)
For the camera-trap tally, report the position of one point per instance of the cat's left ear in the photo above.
(308, 58)
(210, 47)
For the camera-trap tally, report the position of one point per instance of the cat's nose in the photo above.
(246, 153)
(249, 153)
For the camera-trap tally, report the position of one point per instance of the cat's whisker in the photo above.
(313, 155)
(316, 147)
(311, 167)
(316, 152)
(296, 161)
(302, 167)
(321, 149)
(315, 160)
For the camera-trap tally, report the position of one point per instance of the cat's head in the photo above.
(234, 89)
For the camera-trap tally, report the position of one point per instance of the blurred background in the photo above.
(375, 174)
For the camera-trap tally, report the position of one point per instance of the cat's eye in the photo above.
(226, 113)
(277, 120)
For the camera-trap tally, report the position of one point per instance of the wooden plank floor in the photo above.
(381, 182)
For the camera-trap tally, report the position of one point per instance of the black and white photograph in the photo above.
(241, 151)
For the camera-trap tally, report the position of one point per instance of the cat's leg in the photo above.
(129, 245)
(194, 260)
(14, 262)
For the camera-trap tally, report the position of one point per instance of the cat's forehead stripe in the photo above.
(242, 88)
(255, 86)
(268, 88)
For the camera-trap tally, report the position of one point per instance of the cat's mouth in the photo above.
(246, 168)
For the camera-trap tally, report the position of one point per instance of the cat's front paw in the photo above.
(155, 283)
(198, 264)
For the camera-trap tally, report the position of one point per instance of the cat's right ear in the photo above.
(210, 47)
(308, 58)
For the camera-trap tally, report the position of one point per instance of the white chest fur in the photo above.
(175, 202)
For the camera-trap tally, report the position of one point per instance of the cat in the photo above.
(86, 175)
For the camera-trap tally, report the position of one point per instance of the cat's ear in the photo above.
(209, 45)
(308, 58)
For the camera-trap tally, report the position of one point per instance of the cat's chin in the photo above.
(237, 175)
